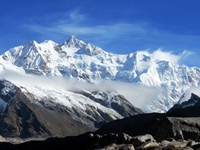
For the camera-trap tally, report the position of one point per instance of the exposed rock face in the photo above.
(178, 128)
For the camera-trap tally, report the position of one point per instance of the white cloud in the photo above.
(185, 57)
(76, 23)
(131, 91)
(186, 53)
(75, 16)
(104, 31)
(167, 56)
(160, 55)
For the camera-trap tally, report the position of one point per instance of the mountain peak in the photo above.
(32, 43)
(193, 101)
(73, 42)
(72, 38)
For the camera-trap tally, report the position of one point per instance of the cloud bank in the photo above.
(132, 92)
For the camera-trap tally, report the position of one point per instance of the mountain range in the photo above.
(51, 89)
(74, 59)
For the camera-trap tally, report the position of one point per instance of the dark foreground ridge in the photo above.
(177, 129)
(161, 133)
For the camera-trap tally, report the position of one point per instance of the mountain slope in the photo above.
(86, 62)
(25, 114)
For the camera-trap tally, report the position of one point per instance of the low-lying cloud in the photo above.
(138, 95)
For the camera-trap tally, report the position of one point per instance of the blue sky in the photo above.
(118, 26)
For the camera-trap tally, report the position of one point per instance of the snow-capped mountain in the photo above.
(88, 63)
